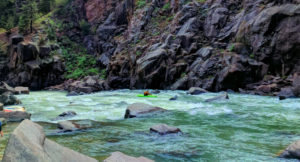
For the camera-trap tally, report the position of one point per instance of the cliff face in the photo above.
(242, 45)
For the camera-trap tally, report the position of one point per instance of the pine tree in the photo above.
(28, 15)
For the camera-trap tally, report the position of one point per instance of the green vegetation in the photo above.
(141, 3)
(166, 7)
(85, 27)
(252, 55)
(231, 48)
(78, 62)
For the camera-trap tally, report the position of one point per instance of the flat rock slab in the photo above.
(21, 90)
(120, 157)
(196, 91)
(15, 116)
(164, 129)
(28, 142)
(292, 151)
(69, 126)
(140, 109)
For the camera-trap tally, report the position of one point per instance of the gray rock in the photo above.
(286, 93)
(21, 90)
(164, 129)
(67, 126)
(204, 52)
(72, 93)
(220, 97)
(292, 151)
(173, 98)
(8, 98)
(120, 157)
(65, 115)
(28, 142)
(140, 109)
(196, 91)
(15, 116)
(14, 40)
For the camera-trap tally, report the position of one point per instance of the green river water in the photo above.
(244, 128)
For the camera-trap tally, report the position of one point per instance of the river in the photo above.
(244, 128)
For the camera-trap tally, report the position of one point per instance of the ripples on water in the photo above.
(244, 128)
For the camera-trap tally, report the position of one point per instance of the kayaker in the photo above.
(147, 93)
(1, 129)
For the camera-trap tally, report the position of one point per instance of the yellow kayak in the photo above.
(14, 108)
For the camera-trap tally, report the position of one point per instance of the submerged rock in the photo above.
(64, 115)
(173, 98)
(164, 129)
(292, 151)
(72, 93)
(140, 109)
(15, 116)
(196, 91)
(28, 142)
(217, 98)
(120, 157)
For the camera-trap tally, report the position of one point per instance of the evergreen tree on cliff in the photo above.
(28, 15)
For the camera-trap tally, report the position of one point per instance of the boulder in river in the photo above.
(15, 116)
(64, 115)
(21, 90)
(173, 98)
(218, 98)
(120, 157)
(28, 142)
(292, 151)
(163, 129)
(67, 126)
(140, 109)
(72, 93)
(196, 91)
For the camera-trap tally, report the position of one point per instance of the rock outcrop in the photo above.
(140, 109)
(120, 157)
(164, 129)
(29, 143)
(32, 65)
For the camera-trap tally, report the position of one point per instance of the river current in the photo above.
(244, 128)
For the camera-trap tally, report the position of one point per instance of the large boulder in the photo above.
(218, 98)
(140, 109)
(14, 40)
(15, 116)
(196, 91)
(292, 151)
(28, 142)
(296, 84)
(120, 157)
(163, 129)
